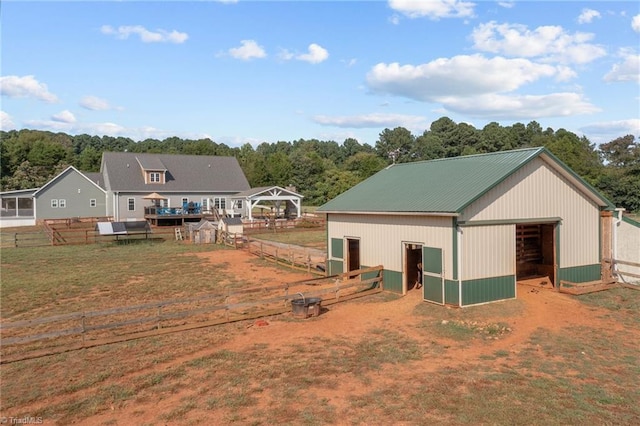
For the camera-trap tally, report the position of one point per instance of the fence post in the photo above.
(159, 317)
(15, 239)
(83, 328)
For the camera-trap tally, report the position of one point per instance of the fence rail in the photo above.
(296, 257)
(615, 262)
(37, 337)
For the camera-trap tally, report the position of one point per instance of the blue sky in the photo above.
(263, 71)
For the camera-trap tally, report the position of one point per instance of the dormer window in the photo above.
(154, 177)
(153, 170)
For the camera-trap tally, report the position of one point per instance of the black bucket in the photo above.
(306, 307)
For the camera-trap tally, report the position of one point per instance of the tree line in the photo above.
(320, 170)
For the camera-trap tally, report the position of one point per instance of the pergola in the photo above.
(257, 197)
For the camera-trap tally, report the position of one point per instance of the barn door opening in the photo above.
(353, 254)
(536, 252)
(412, 257)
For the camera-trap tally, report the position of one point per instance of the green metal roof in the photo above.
(444, 186)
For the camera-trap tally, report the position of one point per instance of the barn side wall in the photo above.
(538, 192)
(382, 239)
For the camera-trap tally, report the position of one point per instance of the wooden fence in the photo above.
(296, 257)
(37, 337)
(614, 262)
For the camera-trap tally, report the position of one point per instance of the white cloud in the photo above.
(463, 76)
(65, 116)
(249, 50)
(13, 86)
(146, 36)
(315, 55)
(94, 103)
(627, 70)
(374, 120)
(506, 4)
(587, 16)
(284, 54)
(6, 122)
(635, 23)
(110, 129)
(350, 62)
(497, 106)
(619, 127)
(433, 9)
(549, 43)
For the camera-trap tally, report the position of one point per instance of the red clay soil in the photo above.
(543, 308)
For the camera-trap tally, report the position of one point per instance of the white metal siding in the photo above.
(488, 251)
(382, 237)
(628, 248)
(538, 191)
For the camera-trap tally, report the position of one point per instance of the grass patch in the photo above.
(312, 239)
(74, 278)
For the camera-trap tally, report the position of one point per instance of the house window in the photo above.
(239, 204)
(54, 204)
(220, 203)
(92, 202)
(154, 177)
(62, 203)
(131, 204)
(185, 201)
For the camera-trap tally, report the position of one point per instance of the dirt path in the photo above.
(543, 309)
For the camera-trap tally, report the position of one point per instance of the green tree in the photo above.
(395, 145)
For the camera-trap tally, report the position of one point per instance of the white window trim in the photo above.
(129, 202)
(54, 204)
(62, 203)
(93, 202)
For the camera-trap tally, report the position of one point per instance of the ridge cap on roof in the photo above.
(537, 149)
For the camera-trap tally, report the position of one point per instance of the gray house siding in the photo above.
(70, 194)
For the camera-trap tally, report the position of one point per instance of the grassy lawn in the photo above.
(311, 238)
(385, 375)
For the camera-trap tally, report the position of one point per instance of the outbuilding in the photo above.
(477, 224)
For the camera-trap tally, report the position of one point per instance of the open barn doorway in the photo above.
(353, 254)
(536, 253)
(412, 257)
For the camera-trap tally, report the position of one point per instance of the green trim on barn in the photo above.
(336, 267)
(369, 275)
(631, 221)
(454, 249)
(337, 248)
(393, 281)
(580, 274)
(488, 290)
(451, 294)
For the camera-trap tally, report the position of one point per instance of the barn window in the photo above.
(62, 203)
(92, 202)
(54, 204)
(131, 204)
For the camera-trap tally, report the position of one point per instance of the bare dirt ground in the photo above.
(539, 309)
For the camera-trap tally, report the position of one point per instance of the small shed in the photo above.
(231, 225)
(203, 232)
